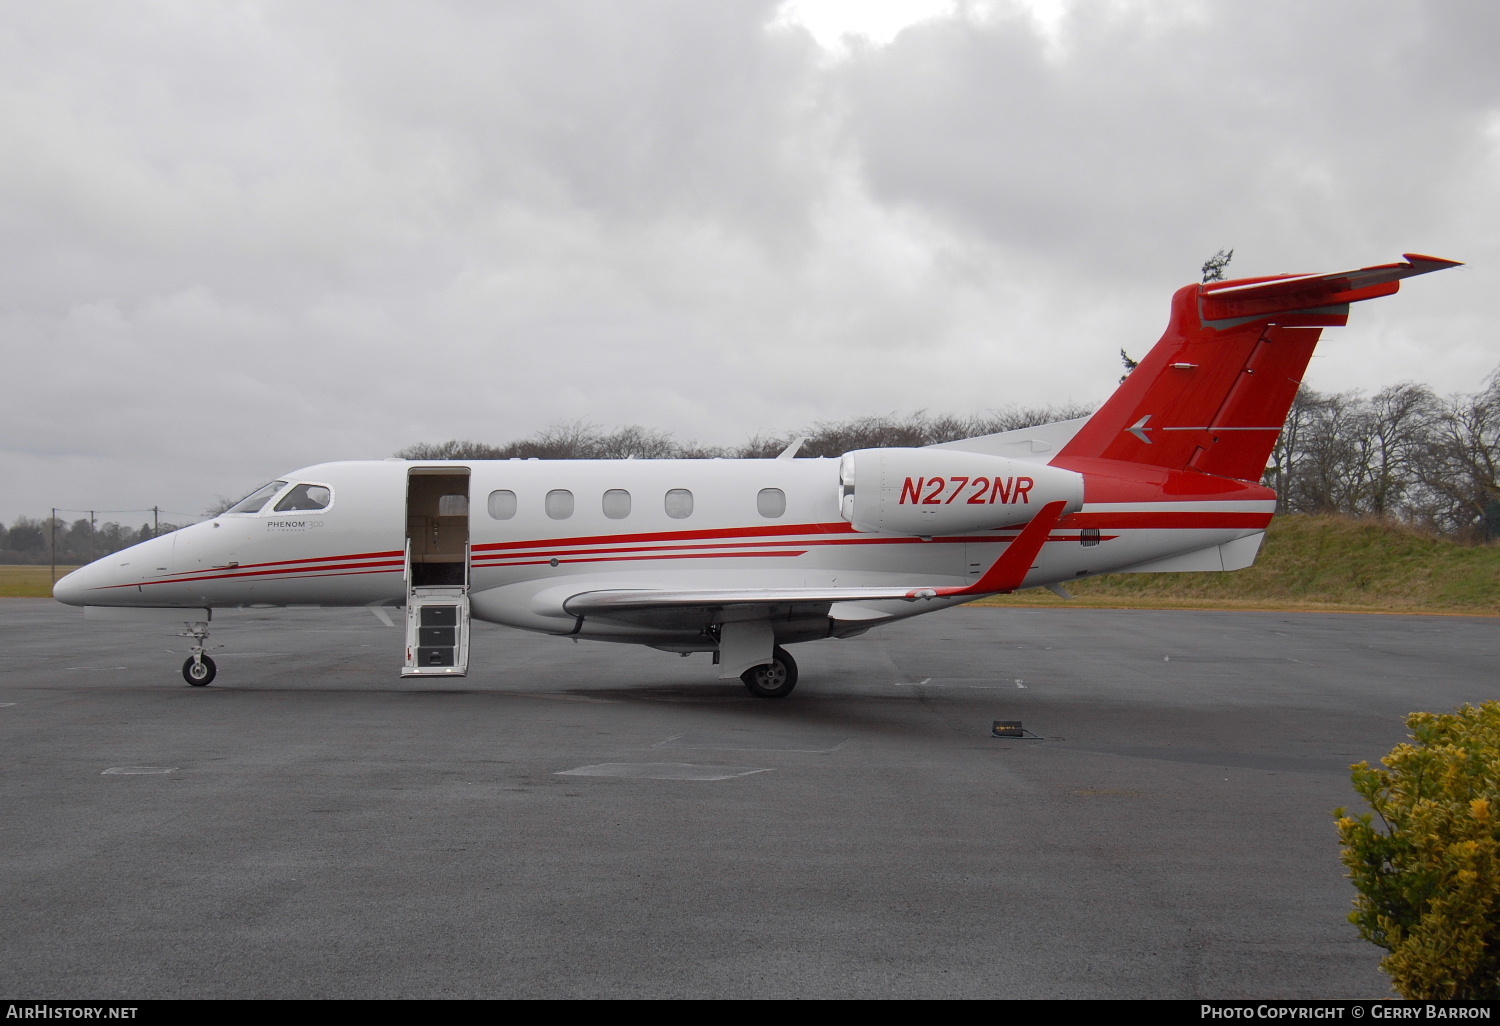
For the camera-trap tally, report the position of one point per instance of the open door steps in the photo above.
(437, 572)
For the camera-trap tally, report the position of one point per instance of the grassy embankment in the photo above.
(1311, 563)
(1333, 563)
(28, 581)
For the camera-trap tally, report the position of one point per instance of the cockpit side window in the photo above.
(305, 497)
(257, 499)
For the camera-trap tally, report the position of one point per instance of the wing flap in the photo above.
(1007, 574)
(626, 600)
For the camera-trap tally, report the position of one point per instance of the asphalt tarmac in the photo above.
(588, 820)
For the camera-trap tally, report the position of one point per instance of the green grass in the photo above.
(1316, 562)
(28, 581)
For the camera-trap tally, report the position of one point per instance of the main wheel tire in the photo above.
(197, 673)
(774, 679)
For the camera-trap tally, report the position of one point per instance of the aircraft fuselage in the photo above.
(719, 528)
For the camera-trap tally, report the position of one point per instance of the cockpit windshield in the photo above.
(253, 502)
(305, 497)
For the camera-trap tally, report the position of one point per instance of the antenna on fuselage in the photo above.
(791, 450)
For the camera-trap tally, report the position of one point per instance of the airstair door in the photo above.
(437, 572)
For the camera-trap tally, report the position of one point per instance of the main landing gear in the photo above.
(199, 669)
(774, 679)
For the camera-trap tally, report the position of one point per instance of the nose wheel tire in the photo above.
(774, 679)
(198, 672)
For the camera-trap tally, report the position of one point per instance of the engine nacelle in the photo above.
(928, 492)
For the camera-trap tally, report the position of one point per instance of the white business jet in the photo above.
(739, 558)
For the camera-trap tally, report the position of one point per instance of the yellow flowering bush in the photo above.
(1426, 861)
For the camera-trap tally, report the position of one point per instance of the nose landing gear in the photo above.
(199, 669)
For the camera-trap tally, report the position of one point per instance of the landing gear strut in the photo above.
(774, 679)
(199, 669)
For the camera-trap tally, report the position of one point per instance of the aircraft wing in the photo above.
(693, 607)
(1308, 291)
(657, 604)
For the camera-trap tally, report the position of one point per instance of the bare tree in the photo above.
(1321, 465)
(451, 450)
(580, 440)
(834, 438)
(638, 442)
(1402, 453)
(1460, 468)
(1396, 431)
(1287, 453)
(569, 440)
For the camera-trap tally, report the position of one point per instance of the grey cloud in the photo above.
(1280, 122)
(237, 238)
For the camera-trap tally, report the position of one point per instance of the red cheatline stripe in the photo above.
(771, 535)
(863, 539)
(635, 548)
(1167, 520)
(395, 554)
(520, 558)
(487, 559)
(383, 568)
(616, 559)
(767, 531)
(303, 577)
(515, 553)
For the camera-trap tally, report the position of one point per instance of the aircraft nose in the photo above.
(70, 590)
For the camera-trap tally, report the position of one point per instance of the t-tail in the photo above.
(1213, 394)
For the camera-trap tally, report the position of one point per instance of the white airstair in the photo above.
(437, 573)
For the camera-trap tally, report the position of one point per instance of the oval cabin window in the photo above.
(770, 502)
(502, 504)
(617, 504)
(679, 503)
(559, 504)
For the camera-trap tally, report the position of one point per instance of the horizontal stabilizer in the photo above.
(1212, 396)
(1261, 297)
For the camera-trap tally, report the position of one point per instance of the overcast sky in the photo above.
(239, 238)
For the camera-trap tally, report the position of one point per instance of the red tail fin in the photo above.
(1213, 394)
